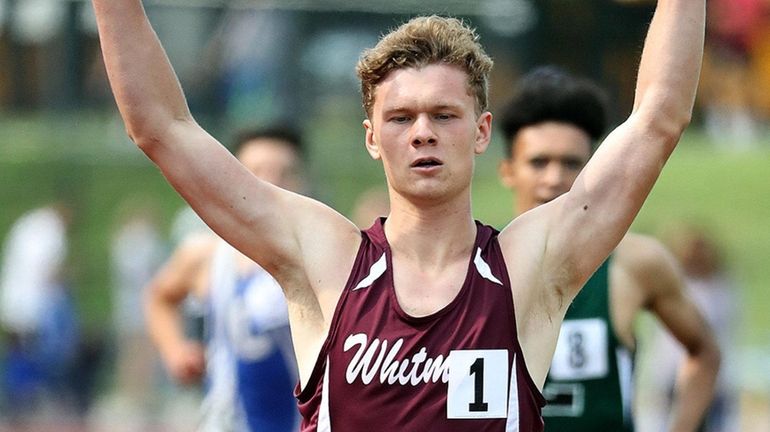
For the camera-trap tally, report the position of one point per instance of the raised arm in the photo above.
(585, 224)
(289, 235)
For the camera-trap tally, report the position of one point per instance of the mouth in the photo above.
(427, 162)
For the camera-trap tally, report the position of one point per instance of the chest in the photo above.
(390, 314)
(453, 364)
(421, 292)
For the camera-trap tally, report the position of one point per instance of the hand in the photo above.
(187, 363)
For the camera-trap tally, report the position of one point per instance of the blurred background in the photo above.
(70, 178)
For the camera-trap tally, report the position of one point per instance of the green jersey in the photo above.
(588, 387)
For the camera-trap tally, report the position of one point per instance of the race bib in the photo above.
(478, 384)
(581, 352)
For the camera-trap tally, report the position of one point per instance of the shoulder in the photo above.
(196, 249)
(652, 266)
(642, 253)
(37, 221)
(526, 231)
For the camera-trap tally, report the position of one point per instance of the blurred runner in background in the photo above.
(242, 344)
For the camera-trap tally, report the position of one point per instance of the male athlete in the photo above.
(550, 126)
(247, 362)
(428, 320)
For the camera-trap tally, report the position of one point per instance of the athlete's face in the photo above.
(546, 159)
(425, 129)
(273, 161)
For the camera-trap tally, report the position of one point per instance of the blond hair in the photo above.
(421, 42)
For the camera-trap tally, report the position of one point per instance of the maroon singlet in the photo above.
(458, 370)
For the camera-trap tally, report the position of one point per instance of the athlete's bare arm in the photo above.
(585, 224)
(556, 247)
(185, 273)
(306, 246)
(658, 276)
(592, 218)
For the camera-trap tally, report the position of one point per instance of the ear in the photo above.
(483, 132)
(371, 144)
(507, 172)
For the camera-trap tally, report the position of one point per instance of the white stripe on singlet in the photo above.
(483, 268)
(512, 424)
(626, 377)
(375, 271)
(324, 422)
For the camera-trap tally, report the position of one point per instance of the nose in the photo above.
(422, 132)
(555, 176)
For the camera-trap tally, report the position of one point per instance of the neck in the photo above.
(430, 234)
(519, 209)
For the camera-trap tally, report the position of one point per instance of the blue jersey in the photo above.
(251, 365)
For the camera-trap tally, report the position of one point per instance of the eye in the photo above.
(443, 116)
(399, 119)
(573, 164)
(538, 162)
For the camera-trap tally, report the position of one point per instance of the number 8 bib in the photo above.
(581, 352)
